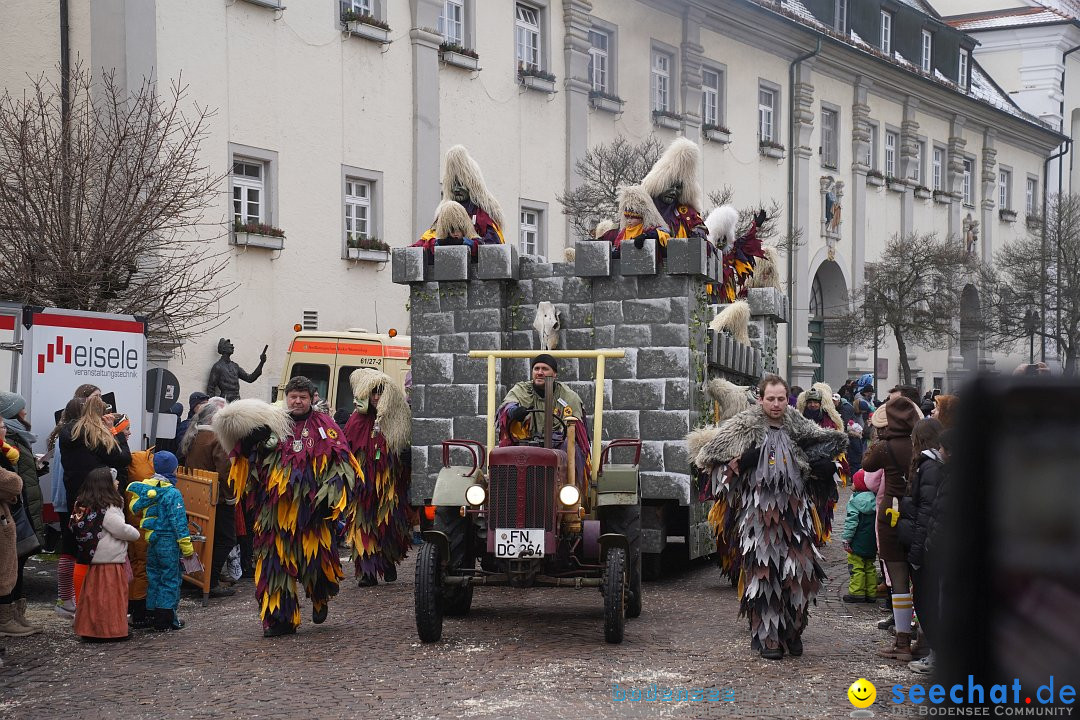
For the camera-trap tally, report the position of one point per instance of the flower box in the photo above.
(368, 32)
(668, 120)
(717, 134)
(272, 4)
(451, 57)
(1007, 215)
(1033, 222)
(250, 239)
(368, 255)
(922, 192)
(875, 179)
(771, 149)
(896, 184)
(542, 83)
(940, 196)
(606, 102)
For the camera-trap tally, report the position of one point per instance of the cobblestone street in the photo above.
(521, 654)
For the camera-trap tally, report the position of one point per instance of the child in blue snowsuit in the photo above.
(160, 506)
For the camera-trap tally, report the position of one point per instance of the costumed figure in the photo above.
(728, 400)
(378, 435)
(294, 472)
(673, 185)
(226, 375)
(517, 423)
(765, 454)
(740, 256)
(463, 183)
(816, 405)
(159, 507)
(735, 321)
(639, 221)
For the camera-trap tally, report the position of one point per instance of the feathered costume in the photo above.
(739, 259)
(296, 477)
(772, 516)
(638, 221)
(678, 164)
(377, 437)
(826, 496)
(482, 207)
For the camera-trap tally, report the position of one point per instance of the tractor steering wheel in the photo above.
(539, 426)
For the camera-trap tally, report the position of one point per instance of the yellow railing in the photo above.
(598, 381)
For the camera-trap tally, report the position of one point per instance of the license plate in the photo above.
(519, 542)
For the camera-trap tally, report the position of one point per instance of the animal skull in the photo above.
(546, 324)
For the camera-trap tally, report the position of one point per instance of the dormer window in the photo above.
(927, 50)
(840, 22)
(962, 76)
(886, 33)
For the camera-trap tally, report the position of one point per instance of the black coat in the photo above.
(918, 506)
(79, 460)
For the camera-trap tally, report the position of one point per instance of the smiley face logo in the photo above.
(862, 693)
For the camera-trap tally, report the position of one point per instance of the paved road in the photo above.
(521, 654)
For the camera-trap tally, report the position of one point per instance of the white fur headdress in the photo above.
(237, 420)
(722, 222)
(452, 216)
(734, 319)
(679, 162)
(633, 198)
(393, 414)
(603, 228)
(460, 166)
(766, 270)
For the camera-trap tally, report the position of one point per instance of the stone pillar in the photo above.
(576, 18)
(123, 38)
(989, 194)
(426, 152)
(802, 365)
(909, 157)
(690, 86)
(954, 177)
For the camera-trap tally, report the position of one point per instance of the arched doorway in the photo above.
(969, 327)
(828, 297)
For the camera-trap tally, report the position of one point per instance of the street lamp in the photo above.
(1031, 324)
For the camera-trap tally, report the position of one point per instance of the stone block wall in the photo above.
(658, 312)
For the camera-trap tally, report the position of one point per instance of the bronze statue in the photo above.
(226, 375)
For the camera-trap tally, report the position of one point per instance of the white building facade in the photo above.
(332, 133)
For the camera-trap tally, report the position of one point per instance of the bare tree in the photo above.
(911, 293)
(103, 208)
(1037, 274)
(604, 170)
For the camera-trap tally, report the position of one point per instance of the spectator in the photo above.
(195, 402)
(860, 543)
(844, 407)
(892, 452)
(856, 446)
(204, 452)
(945, 410)
(793, 395)
(11, 565)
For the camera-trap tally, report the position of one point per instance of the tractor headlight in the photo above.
(569, 495)
(475, 495)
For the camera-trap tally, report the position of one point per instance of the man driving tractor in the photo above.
(520, 416)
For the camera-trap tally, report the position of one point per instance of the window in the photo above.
(357, 208)
(962, 76)
(1031, 197)
(527, 37)
(359, 6)
(452, 22)
(938, 167)
(529, 229)
(316, 373)
(710, 96)
(840, 22)
(927, 49)
(917, 173)
(661, 81)
(886, 33)
(766, 115)
(599, 44)
(969, 189)
(870, 160)
(829, 137)
(891, 141)
(249, 191)
(1005, 189)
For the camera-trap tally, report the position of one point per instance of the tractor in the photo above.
(517, 516)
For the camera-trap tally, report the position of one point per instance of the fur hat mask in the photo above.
(635, 202)
(462, 170)
(392, 413)
(680, 163)
(451, 217)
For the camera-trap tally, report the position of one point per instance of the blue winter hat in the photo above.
(165, 464)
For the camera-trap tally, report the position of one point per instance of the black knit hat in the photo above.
(547, 360)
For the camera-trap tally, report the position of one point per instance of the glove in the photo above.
(255, 438)
(451, 241)
(761, 217)
(823, 469)
(518, 414)
(749, 459)
(639, 241)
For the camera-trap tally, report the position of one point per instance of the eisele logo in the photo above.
(89, 355)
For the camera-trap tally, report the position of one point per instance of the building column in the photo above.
(954, 177)
(690, 85)
(859, 360)
(989, 194)
(802, 366)
(909, 157)
(577, 16)
(123, 38)
(426, 149)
